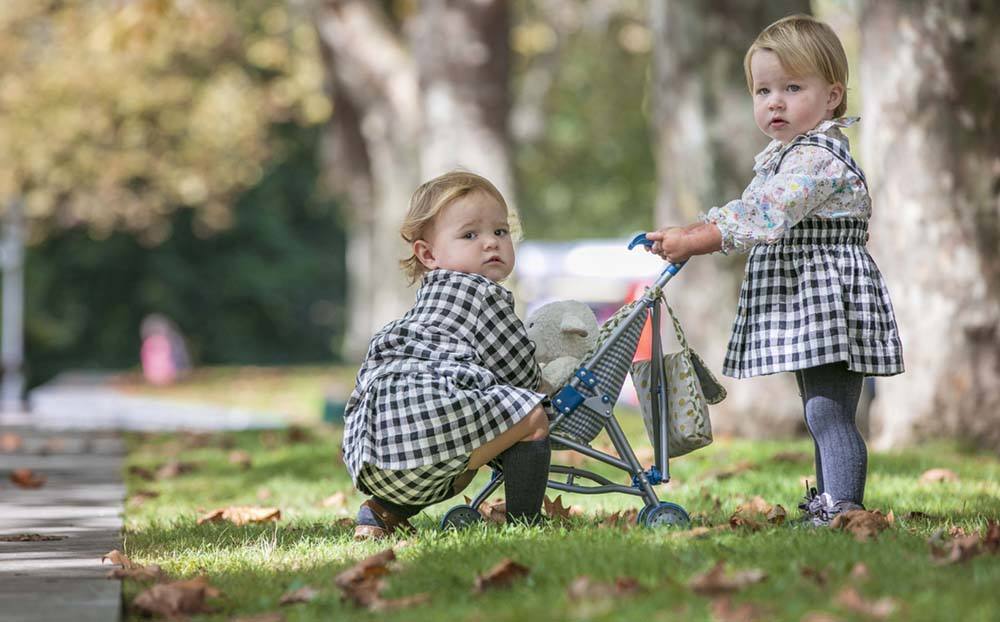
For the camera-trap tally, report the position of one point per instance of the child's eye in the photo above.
(501, 233)
(794, 88)
(763, 91)
(469, 235)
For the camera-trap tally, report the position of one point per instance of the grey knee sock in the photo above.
(831, 398)
(526, 473)
(817, 459)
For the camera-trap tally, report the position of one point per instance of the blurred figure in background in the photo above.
(164, 354)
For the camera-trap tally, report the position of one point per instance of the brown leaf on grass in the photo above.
(716, 581)
(937, 476)
(241, 515)
(117, 557)
(371, 567)
(175, 468)
(269, 439)
(991, 537)
(304, 594)
(142, 496)
(404, 602)
(260, 617)
(501, 575)
(179, 598)
(621, 519)
(26, 478)
(337, 500)
(586, 588)
(724, 610)
(860, 572)
(791, 457)
(29, 537)
(298, 434)
(10, 442)
(141, 472)
(556, 509)
(957, 550)
(817, 576)
(241, 459)
(494, 511)
(863, 524)
(849, 598)
(754, 513)
(150, 573)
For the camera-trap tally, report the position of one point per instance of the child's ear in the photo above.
(424, 254)
(836, 96)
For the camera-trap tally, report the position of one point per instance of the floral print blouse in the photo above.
(812, 182)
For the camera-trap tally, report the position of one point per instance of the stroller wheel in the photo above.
(665, 514)
(460, 517)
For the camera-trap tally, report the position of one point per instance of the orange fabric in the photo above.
(644, 351)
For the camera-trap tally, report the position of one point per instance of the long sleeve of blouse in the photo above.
(811, 182)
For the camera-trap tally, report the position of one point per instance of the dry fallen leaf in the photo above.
(936, 476)
(555, 509)
(716, 581)
(388, 604)
(863, 524)
(817, 576)
(29, 537)
(151, 572)
(860, 572)
(849, 598)
(141, 472)
(754, 513)
(241, 515)
(586, 588)
(142, 496)
(501, 575)
(10, 442)
(26, 478)
(117, 557)
(175, 468)
(959, 549)
(991, 538)
(241, 459)
(298, 434)
(724, 610)
(622, 519)
(176, 599)
(302, 595)
(361, 582)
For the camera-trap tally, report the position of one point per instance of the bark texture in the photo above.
(704, 141)
(413, 99)
(931, 137)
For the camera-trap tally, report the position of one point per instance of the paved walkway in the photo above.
(81, 503)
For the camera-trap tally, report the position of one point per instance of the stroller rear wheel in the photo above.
(664, 514)
(460, 517)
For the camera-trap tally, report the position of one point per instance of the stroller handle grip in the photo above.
(642, 240)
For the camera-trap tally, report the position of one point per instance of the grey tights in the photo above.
(830, 399)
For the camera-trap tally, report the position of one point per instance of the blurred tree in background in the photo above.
(164, 153)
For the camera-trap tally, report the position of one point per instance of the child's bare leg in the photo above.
(534, 427)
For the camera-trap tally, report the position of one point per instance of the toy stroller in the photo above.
(585, 406)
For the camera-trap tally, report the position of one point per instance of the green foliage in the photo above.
(268, 290)
(590, 172)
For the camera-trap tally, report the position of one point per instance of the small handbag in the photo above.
(690, 387)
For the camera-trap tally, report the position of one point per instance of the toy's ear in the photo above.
(573, 326)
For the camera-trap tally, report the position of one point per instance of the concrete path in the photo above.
(81, 503)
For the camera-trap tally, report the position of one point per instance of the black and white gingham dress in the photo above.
(815, 297)
(453, 373)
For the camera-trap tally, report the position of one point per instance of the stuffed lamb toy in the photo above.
(563, 332)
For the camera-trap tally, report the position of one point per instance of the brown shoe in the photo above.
(390, 523)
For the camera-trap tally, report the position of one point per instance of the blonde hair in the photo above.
(805, 46)
(429, 199)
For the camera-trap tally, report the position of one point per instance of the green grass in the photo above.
(254, 565)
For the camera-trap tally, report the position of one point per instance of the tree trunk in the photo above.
(404, 113)
(705, 141)
(931, 136)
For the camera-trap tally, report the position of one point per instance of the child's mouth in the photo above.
(779, 123)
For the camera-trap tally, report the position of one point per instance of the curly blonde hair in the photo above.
(429, 199)
(805, 46)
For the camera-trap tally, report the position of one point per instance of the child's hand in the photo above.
(670, 243)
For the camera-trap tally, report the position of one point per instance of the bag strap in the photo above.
(832, 145)
(677, 326)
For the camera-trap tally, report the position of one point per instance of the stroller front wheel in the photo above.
(664, 514)
(460, 517)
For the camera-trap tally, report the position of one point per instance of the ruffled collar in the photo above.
(770, 154)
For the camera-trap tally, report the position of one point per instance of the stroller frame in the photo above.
(573, 400)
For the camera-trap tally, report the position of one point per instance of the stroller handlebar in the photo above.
(642, 240)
